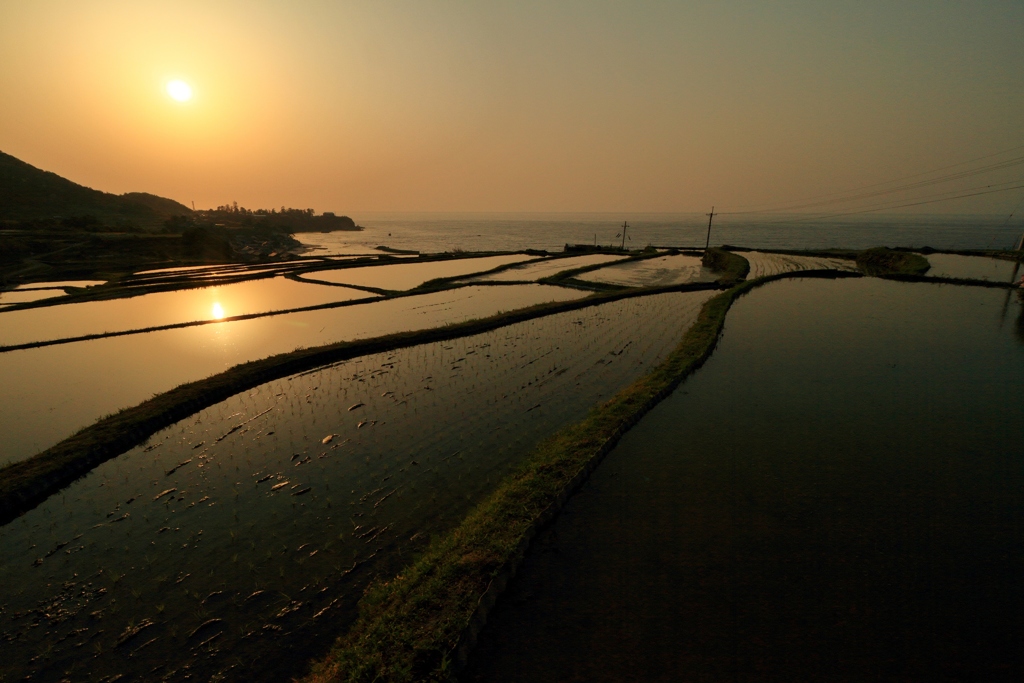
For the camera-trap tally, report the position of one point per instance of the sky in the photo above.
(514, 106)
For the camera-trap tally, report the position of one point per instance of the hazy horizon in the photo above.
(527, 108)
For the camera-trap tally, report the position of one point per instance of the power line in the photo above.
(1010, 163)
(1019, 204)
(858, 193)
(897, 206)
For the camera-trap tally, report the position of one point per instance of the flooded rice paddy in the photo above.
(974, 267)
(166, 308)
(654, 272)
(220, 270)
(834, 496)
(762, 264)
(536, 271)
(41, 290)
(403, 276)
(48, 393)
(240, 538)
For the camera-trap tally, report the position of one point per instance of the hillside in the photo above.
(53, 229)
(31, 194)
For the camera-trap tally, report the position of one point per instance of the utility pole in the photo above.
(710, 217)
(624, 226)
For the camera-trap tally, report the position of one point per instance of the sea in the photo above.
(443, 232)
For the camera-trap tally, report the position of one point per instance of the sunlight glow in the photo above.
(218, 311)
(179, 91)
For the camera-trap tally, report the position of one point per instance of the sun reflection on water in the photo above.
(218, 311)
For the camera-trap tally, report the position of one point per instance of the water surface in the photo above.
(835, 496)
(402, 276)
(243, 535)
(536, 271)
(42, 290)
(166, 308)
(974, 267)
(48, 393)
(438, 232)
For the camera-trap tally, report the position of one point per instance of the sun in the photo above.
(218, 311)
(179, 91)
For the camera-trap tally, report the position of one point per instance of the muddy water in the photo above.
(242, 536)
(535, 271)
(166, 308)
(835, 496)
(48, 393)
(403, 276)
(664, 270)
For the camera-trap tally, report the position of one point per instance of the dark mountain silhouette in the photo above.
(31, 194)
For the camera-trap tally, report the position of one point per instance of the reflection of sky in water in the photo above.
(42, 290)
(24, 296)
(283, 488)
(48, 393)
(535, 271)
(407, 276)
(975, 267)
(166, 308)
(836, 494)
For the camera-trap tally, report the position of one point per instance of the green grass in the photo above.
(419, 625)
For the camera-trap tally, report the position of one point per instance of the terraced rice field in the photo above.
(42, 290)
(49, 393)
(404, 276)
(974, 267)
(221, 270)
(660, 271)
(834, 496)
(532, 272)
(166, 308)
(247, 531)
(762, 264)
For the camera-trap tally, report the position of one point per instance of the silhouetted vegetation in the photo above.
(52, 228)
(732, 266)
(204, 243)
(883, 261)
(29, 194)
(291, 220)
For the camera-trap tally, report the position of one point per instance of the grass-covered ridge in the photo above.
(26, 483)
(733, 267)
(883, 261)
(420, 625)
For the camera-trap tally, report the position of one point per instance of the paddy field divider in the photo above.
(26, 483)
(421, 624)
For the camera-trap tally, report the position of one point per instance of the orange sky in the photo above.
(583, 106)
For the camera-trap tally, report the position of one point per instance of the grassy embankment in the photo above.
(25, 484)
(880, 261)
(733, 267)
(420, 625)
